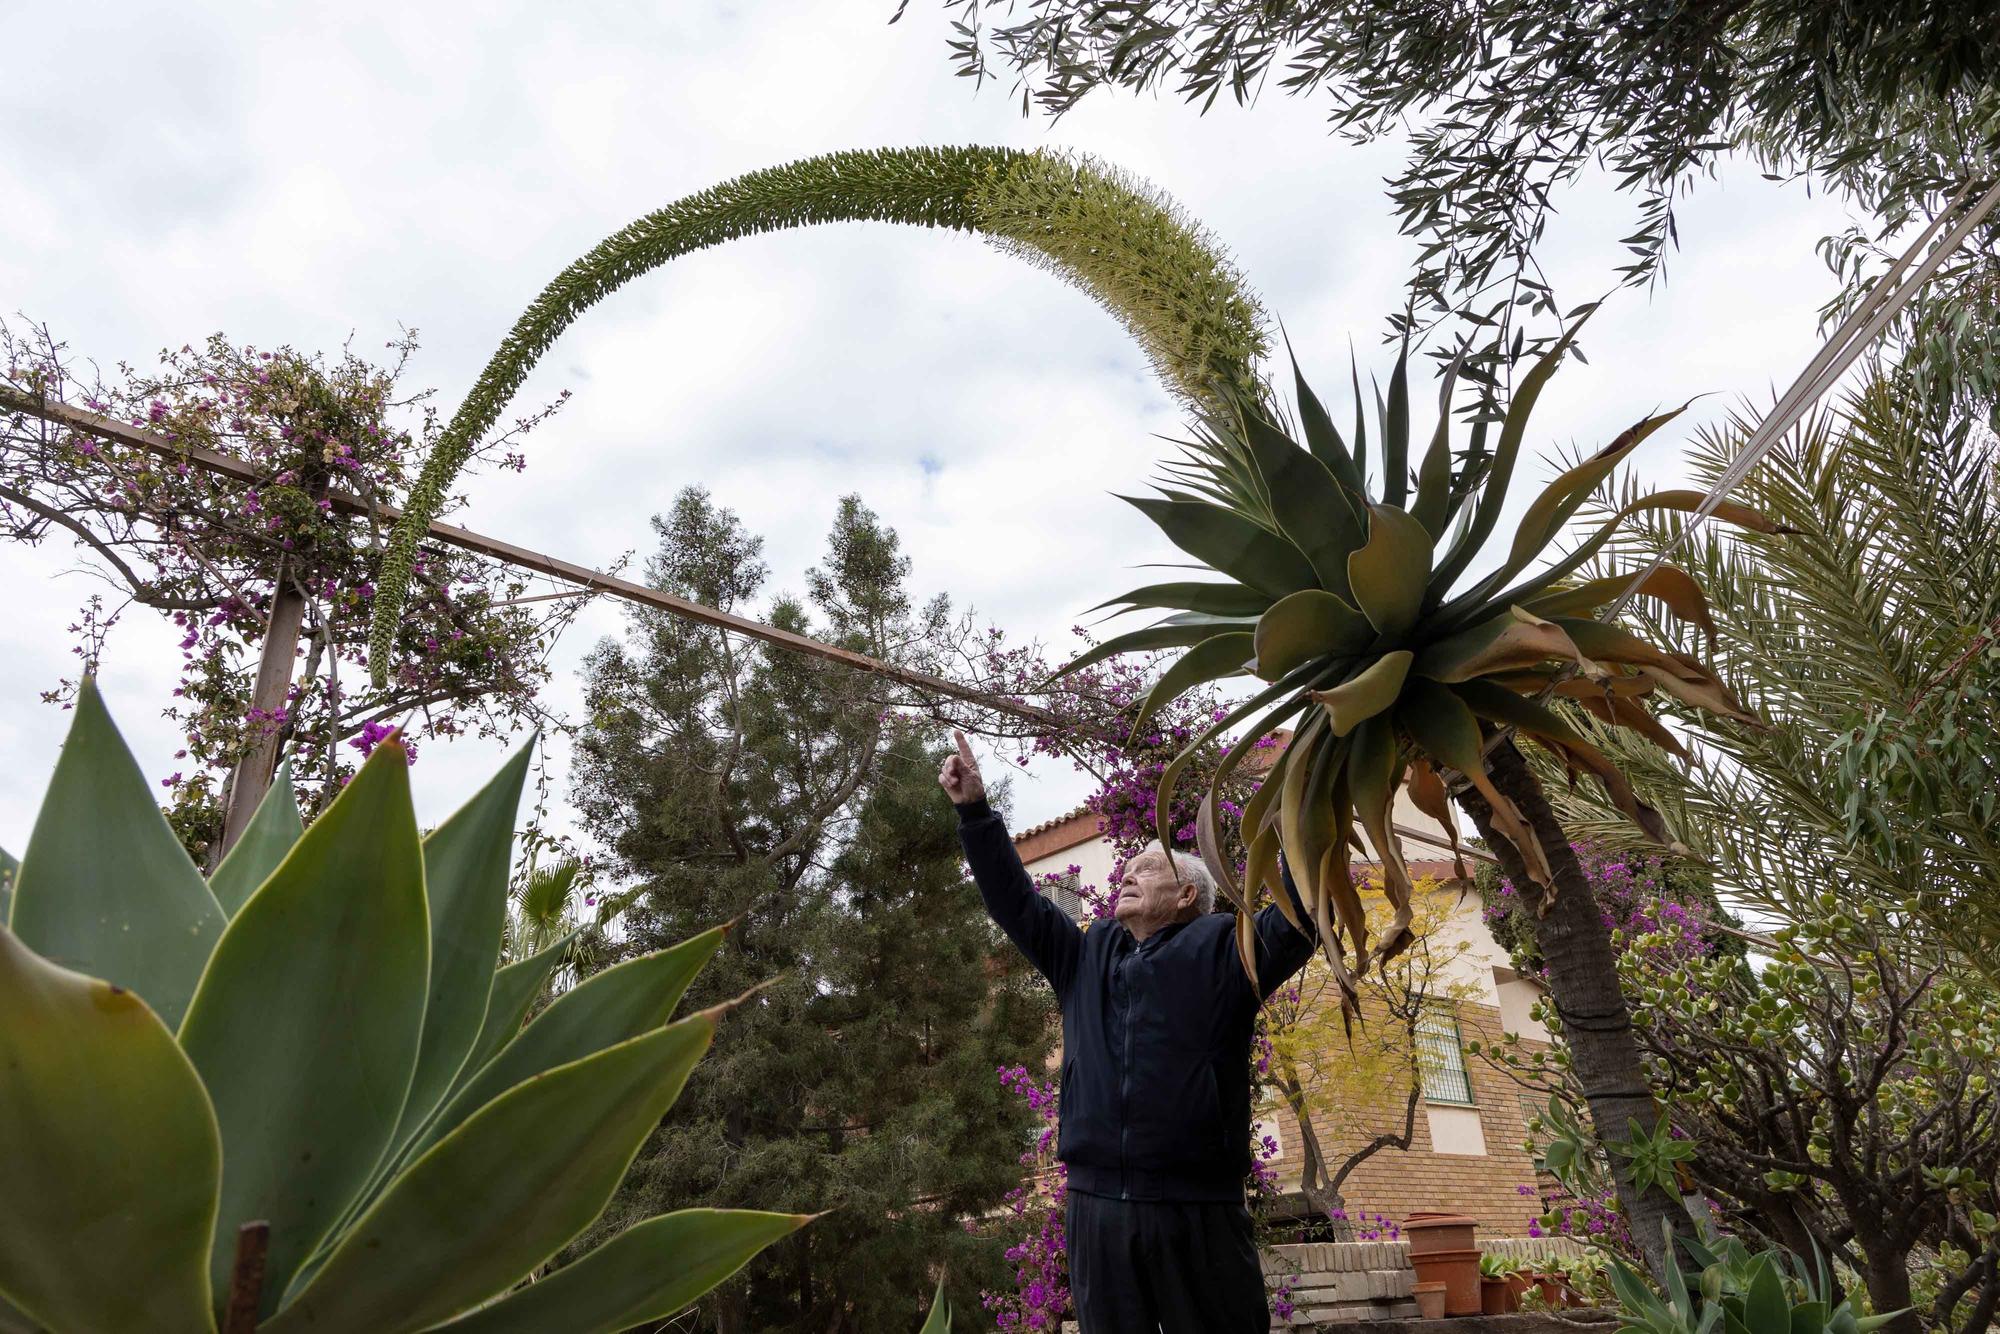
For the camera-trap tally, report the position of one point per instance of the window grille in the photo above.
(1442, 1059)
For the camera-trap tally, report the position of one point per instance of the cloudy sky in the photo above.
(299, 175)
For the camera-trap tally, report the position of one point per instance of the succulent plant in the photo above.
(300, 1094)
(1350, 598)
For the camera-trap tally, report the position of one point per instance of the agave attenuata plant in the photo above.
(1348, 589)
(317, 1044)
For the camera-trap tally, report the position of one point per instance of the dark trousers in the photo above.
(1163, 1267)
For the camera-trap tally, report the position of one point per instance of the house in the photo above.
(1467, 1152)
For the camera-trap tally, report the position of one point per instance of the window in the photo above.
(1062, 891)
(1442, 1059)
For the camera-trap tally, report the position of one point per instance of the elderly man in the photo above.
(1155, 1130)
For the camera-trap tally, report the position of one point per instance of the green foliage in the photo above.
(799, 802)
(1504, 102)
(1736, 1292)
(1132, 251)
(1870, 640)
(1395, 672)
(1652, 1156)
(349, 992)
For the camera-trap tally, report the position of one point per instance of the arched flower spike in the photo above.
(1133, 251)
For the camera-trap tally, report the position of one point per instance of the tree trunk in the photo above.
(1312, 1171)
(252, 778)
(1583, 985)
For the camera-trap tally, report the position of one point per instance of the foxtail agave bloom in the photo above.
(1345, 589)
(319, 1038)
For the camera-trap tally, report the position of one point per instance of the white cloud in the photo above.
(291, 175)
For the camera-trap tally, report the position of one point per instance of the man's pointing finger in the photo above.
(964, 747)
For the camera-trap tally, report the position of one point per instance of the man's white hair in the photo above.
(1189, 869)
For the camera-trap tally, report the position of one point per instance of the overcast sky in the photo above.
(296, 175)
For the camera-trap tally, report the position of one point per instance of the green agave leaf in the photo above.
(1374, 769)
(1391, 572)
(13, 1320)
(1229, 543)
(1360, 426)
(1498, 704)
(606, 1008)
(1367, 693)
(110, 1157)
(1194, 595)
(1505, 642)
(1321, 436)
(1567, 492)
(1170, 633)
(9, 869)
(1493, 493)
(272, 831)
(465, 879)
(131, 909)
(1669, 585)
(1766, 1309)
(1396, 432)
(1169, 776)
(645, 1273)
(1311, 623)
(939, 1319)
(1211, 658)
(1432, 507)
(500, 1194)
(515, 988)
(306, 1024)
(1305, 501)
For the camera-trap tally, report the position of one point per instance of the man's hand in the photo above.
(960, 775)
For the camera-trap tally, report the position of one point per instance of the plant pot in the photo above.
(1430, 1301)
(1518, 1284)
(1458, 1271)
(1430, 1230)
(1497, 1296)
(1554, 1291)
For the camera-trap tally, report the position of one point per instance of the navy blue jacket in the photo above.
(1156, 1034)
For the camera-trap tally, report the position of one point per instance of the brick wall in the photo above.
(1398, 1183)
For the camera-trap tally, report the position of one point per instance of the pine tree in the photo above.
(780, 792)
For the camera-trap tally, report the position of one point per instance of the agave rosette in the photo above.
(1342, 592)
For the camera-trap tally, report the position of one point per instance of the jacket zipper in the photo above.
(1125, 1085)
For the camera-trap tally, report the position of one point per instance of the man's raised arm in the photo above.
(1038, 928)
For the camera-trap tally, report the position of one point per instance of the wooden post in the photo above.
(246, 1281)
(252, 777)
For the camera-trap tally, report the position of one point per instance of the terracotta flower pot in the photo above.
(1518, 1284)
(1497, 1296)
(1552, 1288)
(1442, 1249)
(1430, 1301)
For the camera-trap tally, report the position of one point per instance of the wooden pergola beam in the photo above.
(582, 576)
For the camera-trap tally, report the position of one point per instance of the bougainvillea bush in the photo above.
(205, 552)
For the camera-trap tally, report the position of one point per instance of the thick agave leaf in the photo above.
(606, 1008)
(1500, 471)
(1324, 440)
(1507, 641)
(465, 878)
(1169, 776)
(270, 835)
(1428, 794)
(1222, 655)
(105, 886)
(1367, 693)
(515, 988)
(1433, 505)
(1668, 584)
(1194, 595)
(306, 1024)
(644, 1274)
(939, 1319)
(501, 1193)
(1230, 543)
(1566, 494)
(1391, 572)
(1305, 501)
(1442, 723)
(1622, 710)
(9, 869)
(109, 1156)
(1685, 678)
(1261, 871)
(1396, 433)
(1374, 771)
(1311, 623)
(1174, 632)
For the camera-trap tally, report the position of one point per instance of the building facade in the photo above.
(1466, 1153)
